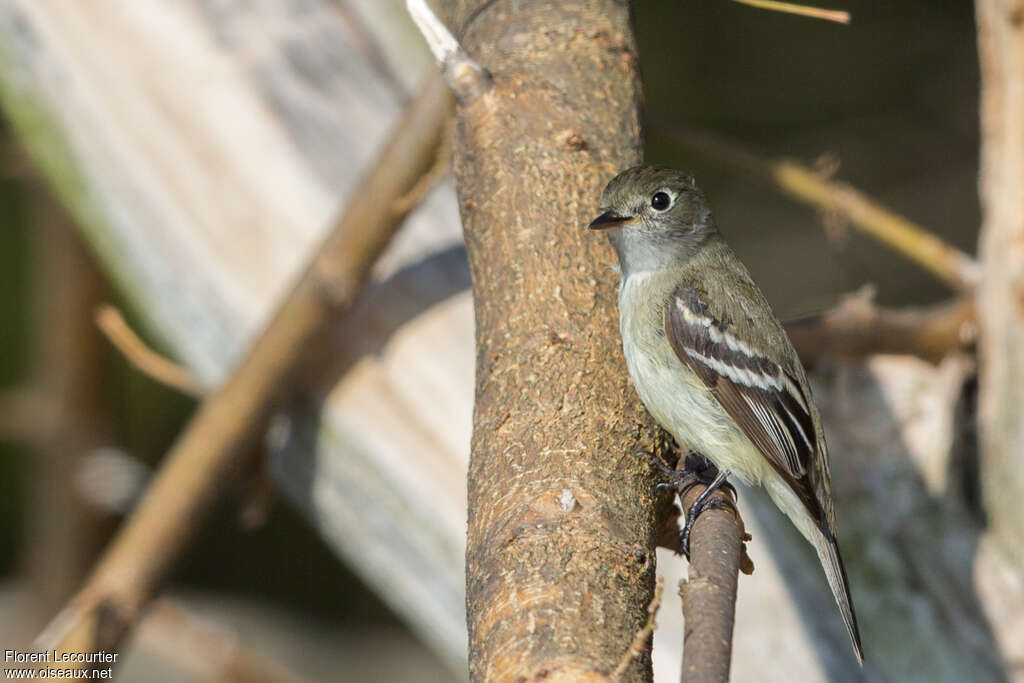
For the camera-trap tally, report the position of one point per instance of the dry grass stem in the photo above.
(639, 644)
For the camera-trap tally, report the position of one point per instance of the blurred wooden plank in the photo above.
(204, 146)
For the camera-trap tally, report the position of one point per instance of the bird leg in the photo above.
(696, 470)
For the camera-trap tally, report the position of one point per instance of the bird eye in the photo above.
(660, 201)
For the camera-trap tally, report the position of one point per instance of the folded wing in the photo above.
(764, 399)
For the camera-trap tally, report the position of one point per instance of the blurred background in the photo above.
(109, 110)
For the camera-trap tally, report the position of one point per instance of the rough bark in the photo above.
(1001, 310)
(560, 560)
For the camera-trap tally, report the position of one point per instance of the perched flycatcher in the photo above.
(711, 361)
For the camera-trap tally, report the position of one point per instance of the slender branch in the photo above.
(949, 264)
(638, 646)
(709, 592)
(857, 328)
(62, 531)
(464, 76)
(147, 361)
(838, 16)
(211, 448)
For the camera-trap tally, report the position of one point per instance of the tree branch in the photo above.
(709, 591)
(949, 264)
(837, 16)
(464, 76)
(638, 646)
(142, 358)
(1001, 295)
(856, 328)
(560, 554)
(211, 448)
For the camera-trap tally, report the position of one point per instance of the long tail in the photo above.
(832, 562)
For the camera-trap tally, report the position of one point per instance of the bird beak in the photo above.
(609, 219)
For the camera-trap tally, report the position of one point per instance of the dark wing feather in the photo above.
(765, 401)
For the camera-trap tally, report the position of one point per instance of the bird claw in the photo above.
(696, 470)
(665, 486)
(704, 503)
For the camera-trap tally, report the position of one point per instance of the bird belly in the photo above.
(683, 405)
(685, 408)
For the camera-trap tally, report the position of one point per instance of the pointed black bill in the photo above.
(609, 219)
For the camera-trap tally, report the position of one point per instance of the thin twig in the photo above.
(949, 264)
(211, 448)
(639, 644)
(464, 76)
(709, 592)
(838, 16)
(144, 359)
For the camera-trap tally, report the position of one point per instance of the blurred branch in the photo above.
(838, 16)
(63, 533)
(211, 448)
(215, 653)
(709, 591)
(949, 264)
(856, 328)
(144, 359)
(1001, 295)
(27, 415)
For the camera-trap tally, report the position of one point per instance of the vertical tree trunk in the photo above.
(560, 559)
(1001, 310)
(63, 532)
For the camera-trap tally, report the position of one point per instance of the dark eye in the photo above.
(660, 201)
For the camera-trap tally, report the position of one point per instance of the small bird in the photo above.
(712, 363)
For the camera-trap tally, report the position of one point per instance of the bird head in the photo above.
(654, 216)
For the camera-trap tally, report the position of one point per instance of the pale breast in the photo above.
(672, 393)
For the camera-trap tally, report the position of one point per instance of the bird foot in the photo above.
(696, 470)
